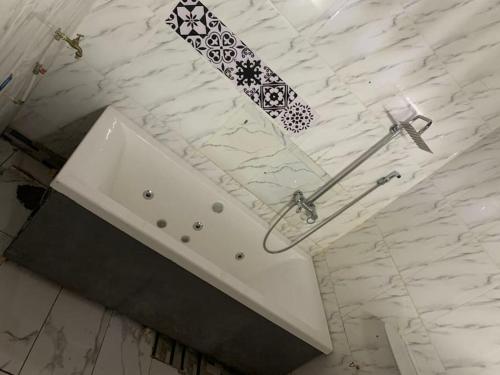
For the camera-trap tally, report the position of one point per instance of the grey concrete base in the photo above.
(79, 250)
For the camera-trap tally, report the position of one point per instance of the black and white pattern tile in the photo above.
(196, 24)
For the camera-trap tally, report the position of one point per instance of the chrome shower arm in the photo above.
(322, 223)
(394, 131)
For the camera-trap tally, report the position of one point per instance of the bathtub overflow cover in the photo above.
(148, 194)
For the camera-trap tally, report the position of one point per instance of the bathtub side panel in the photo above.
(89, 255)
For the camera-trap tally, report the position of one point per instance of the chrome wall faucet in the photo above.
(73, 43)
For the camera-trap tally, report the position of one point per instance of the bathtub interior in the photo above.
(124, 165)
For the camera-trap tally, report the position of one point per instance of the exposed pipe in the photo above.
(307, 204)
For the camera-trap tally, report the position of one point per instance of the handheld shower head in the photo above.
(384, 180)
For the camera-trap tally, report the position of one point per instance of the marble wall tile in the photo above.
(458, 277)
(306, 16)
(325, 281)
(490, 241)
(126, 348)
(420, 228)
(472, 167)
(8, 7)
(341, 34)
(255, 154)
(483, 94)
(365, 328)
(423, 352)
(463, 33)
(26, 302)
(116, 32)
(361, 266)
(480, 208)
(340, 359)
(456, 125)
(470, 183)
(71, 337)
(467, 338)
(73, 88)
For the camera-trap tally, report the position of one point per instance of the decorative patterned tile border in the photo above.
(196, 24)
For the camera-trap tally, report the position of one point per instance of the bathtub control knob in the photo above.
(148, 194)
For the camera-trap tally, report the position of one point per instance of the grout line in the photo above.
(421, 268)
(473, 233)
(112, 314)
(40, 330)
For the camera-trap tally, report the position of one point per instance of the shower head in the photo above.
(407, 125)
(415, 134)
(384, 180)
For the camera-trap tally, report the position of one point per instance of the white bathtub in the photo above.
(117, 161)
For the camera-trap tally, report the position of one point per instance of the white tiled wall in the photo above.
(351, 60)
(27, 38)
(429, 264)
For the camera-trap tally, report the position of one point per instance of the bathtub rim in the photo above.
(71, 185)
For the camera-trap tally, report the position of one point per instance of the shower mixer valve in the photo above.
(304, 205)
